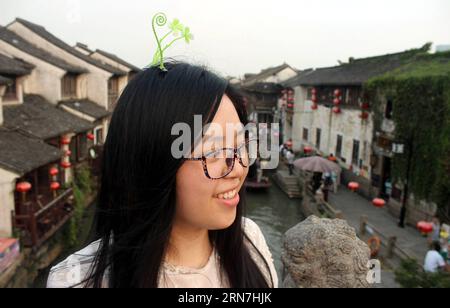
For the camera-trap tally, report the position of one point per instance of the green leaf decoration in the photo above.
(175, 27)
(187, 35)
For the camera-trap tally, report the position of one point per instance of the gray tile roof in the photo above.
(21, 154)
(38, 118)
(25, 46)
(17, 67)
(42, 32)
(356, 72)
(264, 87)
(254, 78)
(87, 107)
(294, 81)
(5, 81)
(119, 60)
(84, 47)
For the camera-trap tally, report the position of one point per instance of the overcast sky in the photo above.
(239, 36)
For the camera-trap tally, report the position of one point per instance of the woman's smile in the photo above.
(231, 201)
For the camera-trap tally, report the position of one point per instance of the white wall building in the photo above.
(101, 82)
(30, 132)
(332, 114)
(262, 91)
(112, 60)
(47, 77)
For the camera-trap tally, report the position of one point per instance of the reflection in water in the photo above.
(275, 213)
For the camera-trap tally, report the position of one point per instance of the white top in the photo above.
(74, 269)
(436, 234)
(433, 262)
(290, 157)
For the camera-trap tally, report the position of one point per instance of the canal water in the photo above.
(275, 213)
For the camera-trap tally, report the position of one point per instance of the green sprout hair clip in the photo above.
(176, 29)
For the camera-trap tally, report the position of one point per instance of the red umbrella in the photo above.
(317, 164)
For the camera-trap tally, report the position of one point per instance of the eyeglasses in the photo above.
(217, 164)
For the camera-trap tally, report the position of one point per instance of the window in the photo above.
(396, 193)
(309, 93)
(99, 136)
(325, 95)
(388, 111)
(365, 150)
(318, 136)
(69, 86)
(113, 92)
(264, 118)
(353, 96)
(78, 148)
(305, 134)
(355, 154)
(73, 150)
(384, 143)
(339, 146)
(82, 147)
(43, 180)
(11, 90)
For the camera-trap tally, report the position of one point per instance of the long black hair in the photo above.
(136, 202)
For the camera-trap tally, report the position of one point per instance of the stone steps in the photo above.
(288, 183)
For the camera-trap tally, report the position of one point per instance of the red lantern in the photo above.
(66, 165)
(54, 186)
(314, 107)
(353, 186)
(336, 101)
(364, 115)
(336, 110)
(337, 93)
(378, 202)
(425, 227)
(90, 136)
(68, 152)
(290, 105)
(314, 98)
(23, 187)
(307, 150)
(54, 171)
(65, 141)
(365, 106)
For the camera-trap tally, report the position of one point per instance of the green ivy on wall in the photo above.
(82, 189)
(420, 91)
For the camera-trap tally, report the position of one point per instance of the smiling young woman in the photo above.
(172, 222)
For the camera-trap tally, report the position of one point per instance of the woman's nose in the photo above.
(238, 170)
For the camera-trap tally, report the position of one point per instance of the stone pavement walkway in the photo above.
(353, 206)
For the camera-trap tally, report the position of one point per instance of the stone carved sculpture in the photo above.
(324, 253)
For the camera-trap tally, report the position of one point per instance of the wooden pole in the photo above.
(363, 223)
